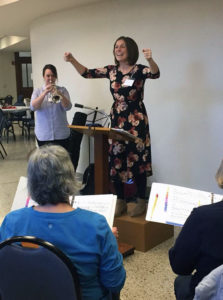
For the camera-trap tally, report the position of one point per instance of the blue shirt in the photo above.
(51, 119)
(84, 237)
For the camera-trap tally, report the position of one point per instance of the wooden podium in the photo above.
(101, 136)
(148, 231)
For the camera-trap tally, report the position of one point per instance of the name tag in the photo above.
(128, 82)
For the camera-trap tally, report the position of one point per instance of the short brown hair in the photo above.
(219, 175)
(132, 49)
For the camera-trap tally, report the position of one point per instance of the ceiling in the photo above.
(15, 18)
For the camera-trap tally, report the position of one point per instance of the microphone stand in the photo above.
(95, 111)
(95, 115)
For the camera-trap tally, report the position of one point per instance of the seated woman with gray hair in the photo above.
(83, 236)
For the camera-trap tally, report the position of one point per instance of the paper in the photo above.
(102, 204)
(21, 198)
(128, 82)
(125, 133)
(172, 204)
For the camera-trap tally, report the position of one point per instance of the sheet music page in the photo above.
(217, 198)
(181, 203)
(102, 204)
(172, 204)
(126, 133)
(156, 206)
(21, 195)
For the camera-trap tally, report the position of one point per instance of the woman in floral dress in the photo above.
(127, 160)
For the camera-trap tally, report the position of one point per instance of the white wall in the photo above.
(7, 75)
(184, 106)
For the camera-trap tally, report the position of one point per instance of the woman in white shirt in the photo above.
(51, 119)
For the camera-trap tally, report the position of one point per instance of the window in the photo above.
(27, 75)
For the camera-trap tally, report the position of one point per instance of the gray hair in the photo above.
(51, 175)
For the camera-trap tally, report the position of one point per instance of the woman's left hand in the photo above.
(147, 53)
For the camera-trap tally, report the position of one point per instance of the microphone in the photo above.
(86, 107)
(95, 111)
(78, 105)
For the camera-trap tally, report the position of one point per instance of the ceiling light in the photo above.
(5, 2)
(8, 41)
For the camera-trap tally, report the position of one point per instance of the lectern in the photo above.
(101, 136)
(135, 231)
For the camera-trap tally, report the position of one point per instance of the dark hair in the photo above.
(52, 68)
(132, 49)
(51, 175)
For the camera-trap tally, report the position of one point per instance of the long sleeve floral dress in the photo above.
(128, 159)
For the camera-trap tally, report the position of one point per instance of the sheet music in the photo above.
(217, 198)
(102, 204)
(126, 133)
(172, 204)
(21, 195)
(182, 201)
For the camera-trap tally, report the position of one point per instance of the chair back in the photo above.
(8, 100)
(20, 99)
(76, 138)
(19, 115)
(41, 273)
(2, 126)
(3, 122)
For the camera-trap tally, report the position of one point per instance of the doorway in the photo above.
(23, 68)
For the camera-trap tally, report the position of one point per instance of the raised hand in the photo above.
(68, 56)
(147, 53)
(79, 67)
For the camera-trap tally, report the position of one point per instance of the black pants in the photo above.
(182, 288)
(64, 143)
(140, 181)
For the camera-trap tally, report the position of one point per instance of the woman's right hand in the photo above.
(79, 67)
(68, 56)
(49, 87)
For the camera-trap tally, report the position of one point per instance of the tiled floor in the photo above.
(149, 276)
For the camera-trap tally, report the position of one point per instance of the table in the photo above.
(15, 109)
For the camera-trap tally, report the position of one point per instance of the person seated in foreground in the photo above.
(84, 236)
(199, 247)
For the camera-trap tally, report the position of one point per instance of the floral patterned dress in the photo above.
(128, 159)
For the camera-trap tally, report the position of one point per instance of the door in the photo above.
(23, 67)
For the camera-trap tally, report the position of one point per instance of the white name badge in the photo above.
(128, 82)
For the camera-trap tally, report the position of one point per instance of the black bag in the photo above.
(88, 181)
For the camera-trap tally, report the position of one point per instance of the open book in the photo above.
(102, 204)
(172, 204)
